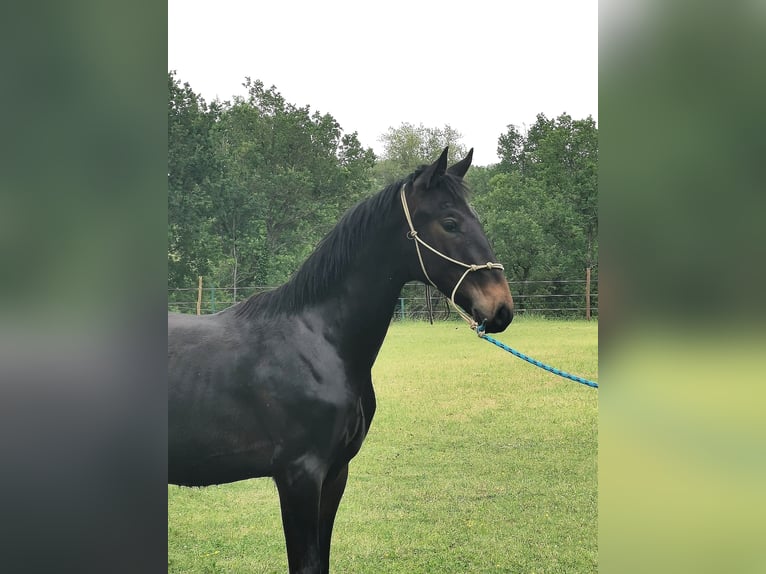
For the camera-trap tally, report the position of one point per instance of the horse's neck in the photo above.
(362, 305)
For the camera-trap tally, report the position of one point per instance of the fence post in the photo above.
(212, 298)
(199, 295)
(587, 293)
(401, 307)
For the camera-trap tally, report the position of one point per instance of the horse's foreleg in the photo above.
(332, 492)
(299, 493)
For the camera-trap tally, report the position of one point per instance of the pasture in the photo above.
(476, 462)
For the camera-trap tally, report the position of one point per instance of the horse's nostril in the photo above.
(505, 314)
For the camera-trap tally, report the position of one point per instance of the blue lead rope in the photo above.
(483, 335)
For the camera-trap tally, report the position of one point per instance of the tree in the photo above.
(254, 184)
(409, 146)
(510, 146)
(290, 173)
(539, 203)
(519, 216)
(478, 179)
(562, 154)
(192, 168)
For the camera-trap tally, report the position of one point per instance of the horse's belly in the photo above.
(202, 465)
(218, 470)
(203, 452)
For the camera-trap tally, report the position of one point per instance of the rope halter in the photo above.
(412, 234)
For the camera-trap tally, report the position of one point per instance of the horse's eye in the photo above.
(449, 225)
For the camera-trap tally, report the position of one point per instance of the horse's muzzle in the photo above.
(499, 321)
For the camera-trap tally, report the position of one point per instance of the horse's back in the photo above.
(187, 331)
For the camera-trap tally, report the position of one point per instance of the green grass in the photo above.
(476, 462)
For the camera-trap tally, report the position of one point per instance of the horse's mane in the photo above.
(332, 255)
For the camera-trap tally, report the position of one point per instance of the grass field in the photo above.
(476, 462)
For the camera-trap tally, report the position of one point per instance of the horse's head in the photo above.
(449, 247)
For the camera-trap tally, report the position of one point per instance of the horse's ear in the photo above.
(437, 168)
(461, 167)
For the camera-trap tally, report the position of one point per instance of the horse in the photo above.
(279, 385)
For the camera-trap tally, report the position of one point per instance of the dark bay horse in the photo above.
(279, 385)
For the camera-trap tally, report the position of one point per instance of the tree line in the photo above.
(255, 182)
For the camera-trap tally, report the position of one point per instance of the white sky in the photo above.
(477, 66)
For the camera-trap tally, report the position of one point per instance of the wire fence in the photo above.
(564, 298)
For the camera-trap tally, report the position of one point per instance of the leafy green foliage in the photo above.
(254, 184)
(409, 146)
(192, 170)
(539, 204)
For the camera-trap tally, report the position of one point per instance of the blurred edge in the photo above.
(681, 452)
(82, 327)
